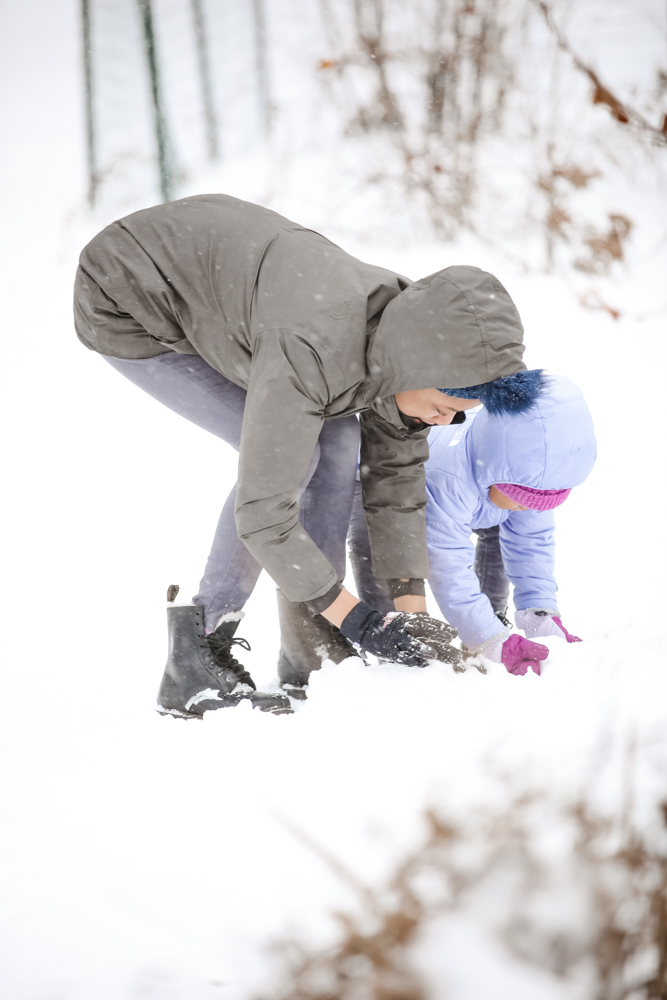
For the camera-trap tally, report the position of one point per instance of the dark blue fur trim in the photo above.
(511, 394)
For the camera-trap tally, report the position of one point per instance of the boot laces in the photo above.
(221, 649)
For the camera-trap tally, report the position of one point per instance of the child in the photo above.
(500, 476)
(509, 472)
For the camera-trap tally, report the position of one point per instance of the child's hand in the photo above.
(539, 622)
(518, 654)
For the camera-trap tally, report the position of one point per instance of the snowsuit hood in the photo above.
(550, 447)
(457, 327)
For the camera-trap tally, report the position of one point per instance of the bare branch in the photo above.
(621, 111)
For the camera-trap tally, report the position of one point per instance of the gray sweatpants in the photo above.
(189, 386)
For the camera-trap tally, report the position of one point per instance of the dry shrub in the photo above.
(468, 124)
(575, 174)
(605, 247)
(560, 224)
(621, 111)
(591, 299)
(434, 81)
(612, 932)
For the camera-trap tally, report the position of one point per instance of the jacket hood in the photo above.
(550, 447)
(457, 327)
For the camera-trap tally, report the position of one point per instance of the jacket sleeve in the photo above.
(281, 424)
(392, 481)
(451, 555)
(528, 549)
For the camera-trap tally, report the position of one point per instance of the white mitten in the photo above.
(542, 622)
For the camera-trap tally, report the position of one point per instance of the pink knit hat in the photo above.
(533, 499)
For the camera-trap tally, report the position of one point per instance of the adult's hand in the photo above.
(434, 636)
(402, 637)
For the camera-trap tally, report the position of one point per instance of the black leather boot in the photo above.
(201, 674)
(304, 643)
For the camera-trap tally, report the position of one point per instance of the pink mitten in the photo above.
(518, 654)
(539, 622)
(568, 635)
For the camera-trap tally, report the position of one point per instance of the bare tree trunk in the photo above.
(203, 63)
(436, 77)
(210, 116)
(369, 19)
(161, 136)
(261, 63)
(91, 143)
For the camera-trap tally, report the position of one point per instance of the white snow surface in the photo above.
(145, 856)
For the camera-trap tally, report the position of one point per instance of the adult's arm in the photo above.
(393, 488)
(281, 425)
(451, 555)
(528, 549)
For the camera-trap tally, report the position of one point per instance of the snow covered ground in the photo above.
(147, 857)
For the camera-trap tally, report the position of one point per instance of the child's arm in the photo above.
(449, 509)
(528, 549)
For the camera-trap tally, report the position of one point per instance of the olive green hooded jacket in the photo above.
(311, 334)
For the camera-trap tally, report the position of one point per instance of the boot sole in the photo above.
(175, 713)
(281, 708)
(298, 692)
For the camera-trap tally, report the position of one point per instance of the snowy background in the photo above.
(146, 857)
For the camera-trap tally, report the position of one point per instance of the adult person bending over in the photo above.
(272, 337)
